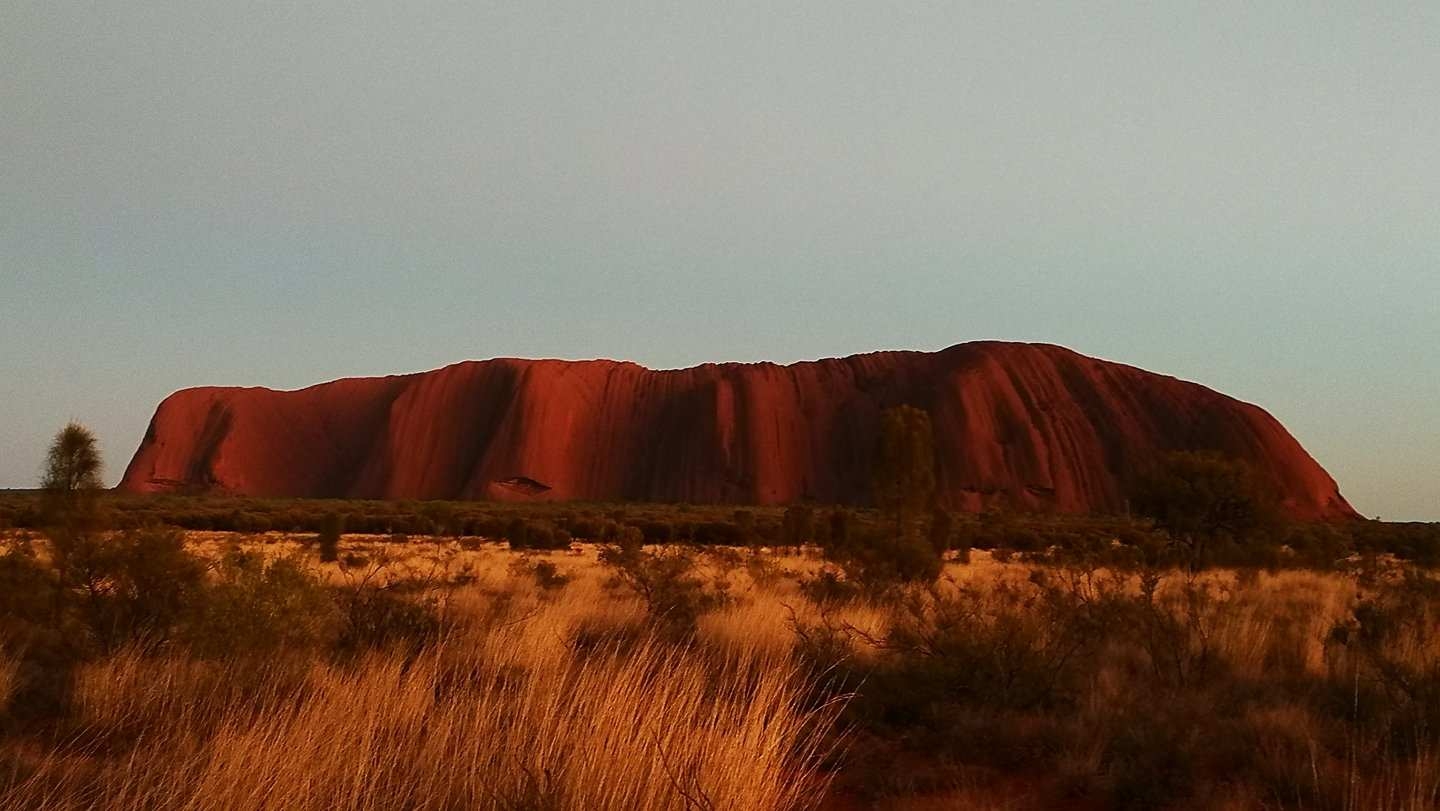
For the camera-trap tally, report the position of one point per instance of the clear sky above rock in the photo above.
(1245, 195)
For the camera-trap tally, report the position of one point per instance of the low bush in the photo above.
(540, 535)
(1385, 653)
(375, 617)
(798, 525)
(254, 605)
(547, 575)
(829, 587)
(882, 562)
(332, 527)
(1015, 646)
(657, 532)
(667, 581)
(718, 533)
(135, 587)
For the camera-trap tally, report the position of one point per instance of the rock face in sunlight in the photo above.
(1029, 426)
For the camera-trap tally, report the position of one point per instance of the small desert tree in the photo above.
(667, 580)
(798, 526)
(332, 526)
(133, 587)
(881, 559)
(744, 521)
(72, 476)
(1201, 498)
(71, 484)
(904, 465)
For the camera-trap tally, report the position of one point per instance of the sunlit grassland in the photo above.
(571, 697)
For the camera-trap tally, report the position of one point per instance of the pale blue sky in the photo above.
(1242, 194)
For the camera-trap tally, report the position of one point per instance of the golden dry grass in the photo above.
(9, 669)
(509, 711)
(504, 714)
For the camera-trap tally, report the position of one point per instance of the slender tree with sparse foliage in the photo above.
(72, 476)
(879, 560)
(332, 526)
(904, 465)
(798, 525)
(71, 483)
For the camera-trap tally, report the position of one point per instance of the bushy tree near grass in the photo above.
(72, 466)
(666, 580)
(879, 562)
(904, 475)
(71, 485)
(798, 526)
(253, 604)
(332, 527)
(141, 586)
(896, 552)
(1204, 500)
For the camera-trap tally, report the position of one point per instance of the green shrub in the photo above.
(134, 587)
(1391, 666)
(443, 518)
(380, 617)
(332, 526)
(657, 532)
(829, 587)
(586, 527)
(880, 562)
(1020, 646)
(718, 533)
(1207, 503)
(545, 573)
(255, 605)
(30, 599)
(798, 526)
(523, 534)
(674, 594)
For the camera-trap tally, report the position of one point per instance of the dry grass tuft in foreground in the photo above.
(473, 728)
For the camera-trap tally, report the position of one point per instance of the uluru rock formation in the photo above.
(1032, 426)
